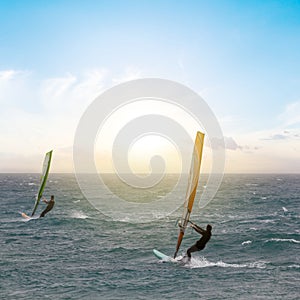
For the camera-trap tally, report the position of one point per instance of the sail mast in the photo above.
(192, 187)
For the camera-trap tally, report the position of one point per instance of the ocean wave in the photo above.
(283, 240)
(79, 215)
(246, 243)
(31, 218)
(203, 262)
(294, 266)
(267, 221)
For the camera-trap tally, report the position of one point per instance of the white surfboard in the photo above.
(166, 258)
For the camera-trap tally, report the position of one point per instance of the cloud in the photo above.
(13, 87)
(291, 114)
(231, 144)
(42, 114)
(228, 142)
(282, 135)
(7, 75)
(10, 75)
(277, 137)
(273, 150)
(62, 161)
(46, 111)
(130, 73)
(72, 93)
(26, 163)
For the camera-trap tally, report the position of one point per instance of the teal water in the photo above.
(76, 252)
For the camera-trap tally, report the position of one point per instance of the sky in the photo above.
(241, 57)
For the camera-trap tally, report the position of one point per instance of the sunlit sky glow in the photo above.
(242, 57)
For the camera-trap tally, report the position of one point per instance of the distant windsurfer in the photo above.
(199, 245)
(49, 207)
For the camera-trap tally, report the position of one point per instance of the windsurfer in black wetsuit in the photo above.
(200, 245)
(50, 205)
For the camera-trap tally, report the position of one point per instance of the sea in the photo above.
(78, 252)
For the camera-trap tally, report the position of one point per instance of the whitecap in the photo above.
(203, 262)
(294, 266)
(246, 243)
(284, 209)
(283, 240)
(79, 215)
(258, 265)
(267, 221)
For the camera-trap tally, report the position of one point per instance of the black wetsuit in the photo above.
(200, 245)
(48, 208)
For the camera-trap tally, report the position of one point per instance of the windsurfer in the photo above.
(200, 244)
(49, 207)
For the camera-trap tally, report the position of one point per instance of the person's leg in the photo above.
(194, 248)
(47, 209)
(43, 213)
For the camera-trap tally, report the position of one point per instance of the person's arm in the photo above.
(198, 229)
(46, 201)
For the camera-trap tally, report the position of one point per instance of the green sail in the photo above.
(43, 180)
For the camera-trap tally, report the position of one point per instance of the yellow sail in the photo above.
(192, 187)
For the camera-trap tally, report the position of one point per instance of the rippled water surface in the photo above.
(76, 252)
